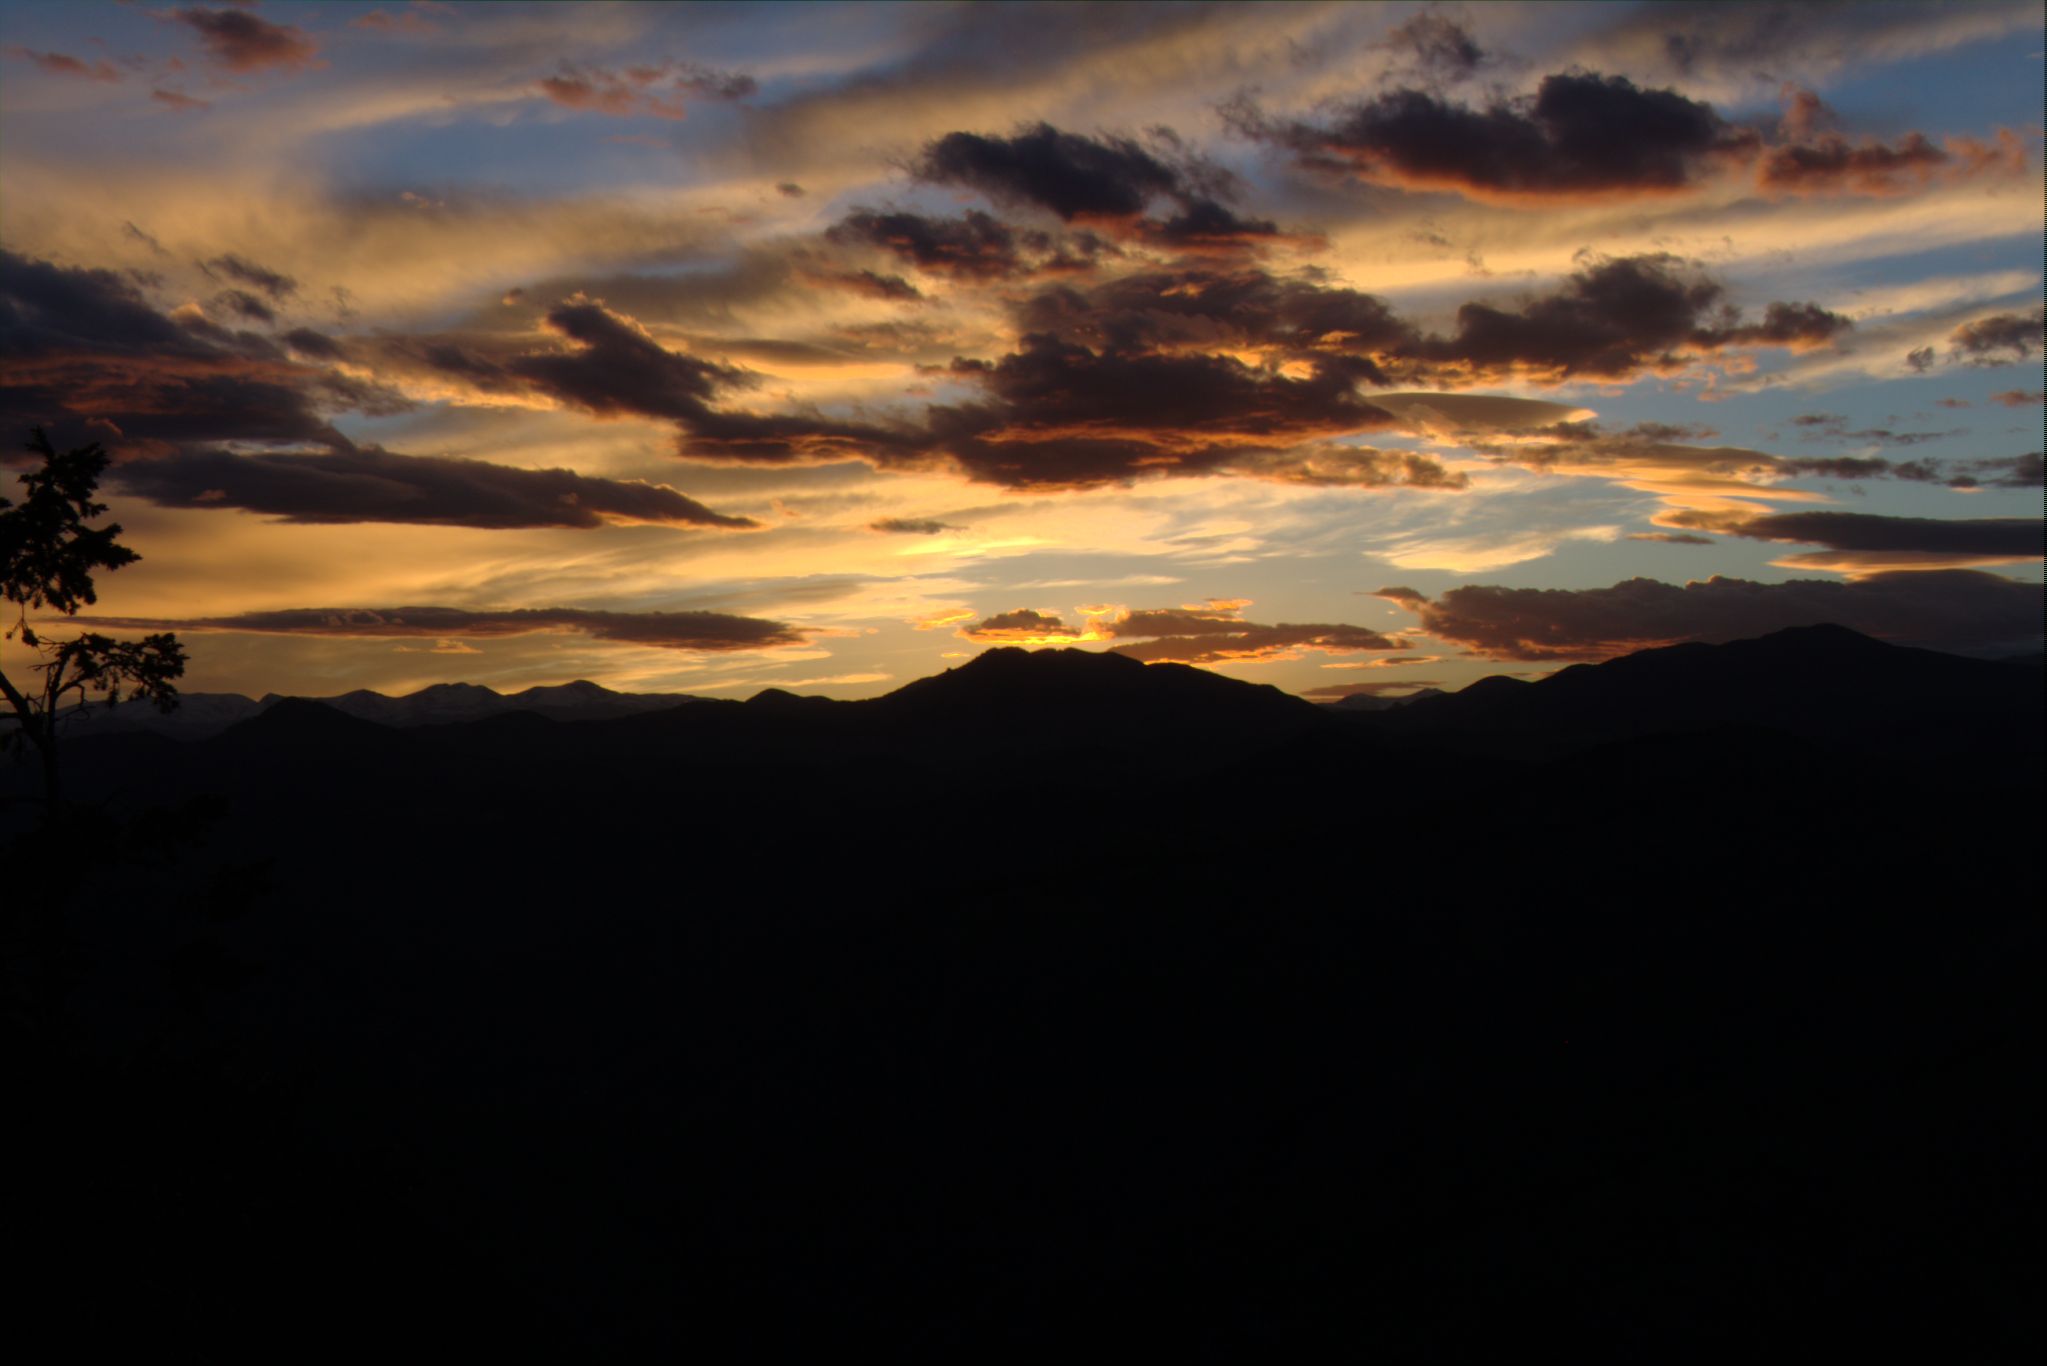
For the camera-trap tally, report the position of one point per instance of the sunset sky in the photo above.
(709, 348)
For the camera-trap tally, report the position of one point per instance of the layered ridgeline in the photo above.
(1821, 683)
(200, 714)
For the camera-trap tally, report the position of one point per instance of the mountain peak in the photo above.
(580, 688)
(1055, 688)
(450, 690)
(778, 697)
(1064, 660)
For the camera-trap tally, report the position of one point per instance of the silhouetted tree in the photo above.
(47, 558)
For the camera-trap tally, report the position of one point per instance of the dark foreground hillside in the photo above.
(1055, 1008)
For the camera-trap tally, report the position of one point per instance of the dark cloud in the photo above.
(1145, 375)
(619, 368)
(240, 41)
(1075, 177)
(45, 306)
(1617, 318)
(245, 305)
(1217, 634)
(273, 283)
(1952, 608)
(368, 484)
(1222, 368)
(88, 356)
(789, 189)
(318, 345)
(1798, 326)
(1610, 319)
(1107, 181)
(1985, 340)
(1206, 226)
(1583, 135)
(1669, 431)
(60, 64)
(1919, 361)
(1578, 135)
(974, 246)
(912, 526)
(1672, 538)
(1834, 427)
(1222, 308)
(708, 631)
(871, 284)
(1064, 415)
(1832, 162)
(1866, 467)
(2011, 472)
(1022, 626)
(2018, 398)
(2013, 536)
(612, 367)
(1817, 159)
(713, 84)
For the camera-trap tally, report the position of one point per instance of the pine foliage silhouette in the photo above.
(48, 555)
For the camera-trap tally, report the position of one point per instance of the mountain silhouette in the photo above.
(1365, 701)
(1084, 710)
(1072, 1000)
(1824, 683)
(199, 714)
(1018, 682)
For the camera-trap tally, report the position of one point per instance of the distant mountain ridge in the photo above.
(1823, 683)
(1365, 701)
(200, 715)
